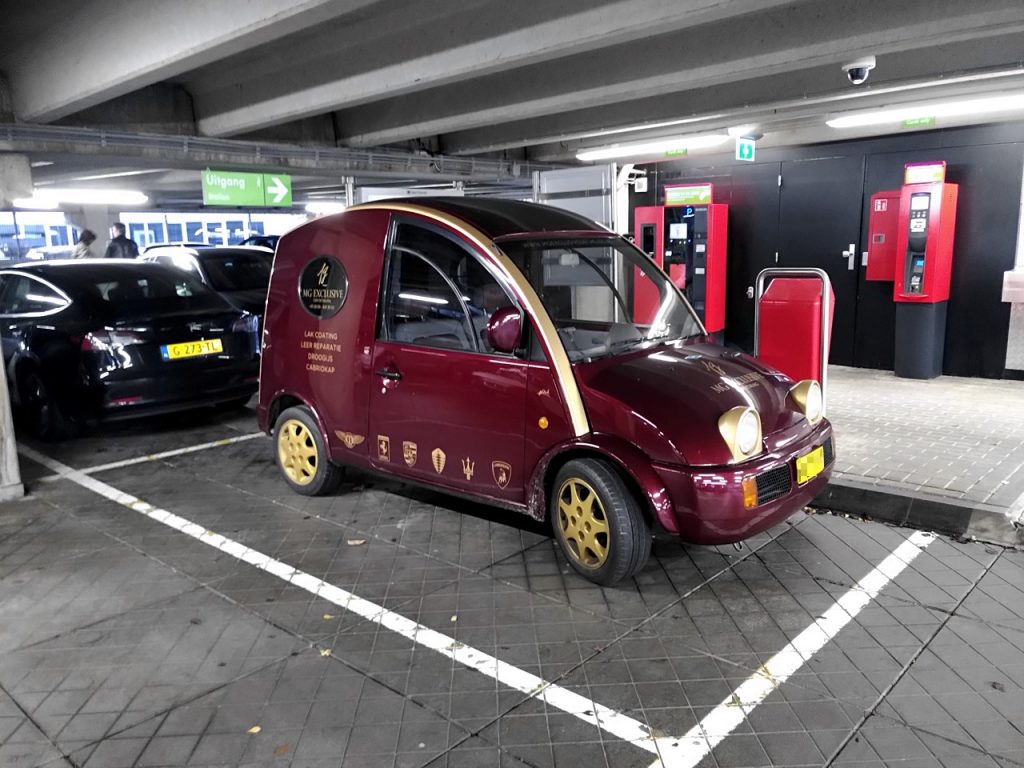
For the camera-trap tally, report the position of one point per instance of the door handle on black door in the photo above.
(389, 373)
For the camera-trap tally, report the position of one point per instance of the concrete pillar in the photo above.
(98, 218)
(15, 178)
(10, 472)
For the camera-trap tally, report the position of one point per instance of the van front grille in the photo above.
(773, 484)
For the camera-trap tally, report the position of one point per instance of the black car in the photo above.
(239, 274)
(264, 241)
(96, 339)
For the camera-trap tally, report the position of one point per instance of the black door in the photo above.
(820, 209)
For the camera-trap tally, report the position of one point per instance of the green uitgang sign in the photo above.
(241, 189)
(676, 153)
(688, 194)
(918, 122)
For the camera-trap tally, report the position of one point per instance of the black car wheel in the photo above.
(302, 453)
(45, 416)
(598, 522)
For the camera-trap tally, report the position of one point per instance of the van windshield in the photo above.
(603, 295)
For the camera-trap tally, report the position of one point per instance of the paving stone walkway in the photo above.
(947, 438)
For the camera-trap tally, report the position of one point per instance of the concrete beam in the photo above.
(800, 36)
(104, 49)
(162, 151)
(409, 59)
(821, 88)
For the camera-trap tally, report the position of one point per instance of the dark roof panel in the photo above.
(497, 218)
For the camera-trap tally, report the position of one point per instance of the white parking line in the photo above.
(150, 457)
(684, 752)
(609, 720)
(697, 744)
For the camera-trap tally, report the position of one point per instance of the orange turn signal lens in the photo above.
(749, 493)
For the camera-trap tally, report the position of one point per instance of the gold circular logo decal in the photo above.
(323, 287)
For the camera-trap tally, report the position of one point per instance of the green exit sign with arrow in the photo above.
(745, 149)
(247, 190)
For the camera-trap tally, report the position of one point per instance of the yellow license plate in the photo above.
(810, 465)
(191, 349)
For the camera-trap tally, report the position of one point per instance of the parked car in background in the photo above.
(240, 274)
(263, 241)
(498, 350)
(44, 252)
(180, 244)
(95, 339)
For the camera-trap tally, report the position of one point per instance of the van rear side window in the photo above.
(438, 293)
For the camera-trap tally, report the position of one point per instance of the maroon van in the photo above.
(491, 349)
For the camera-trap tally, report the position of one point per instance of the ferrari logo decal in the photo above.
(502, 472)
(409, 452)
(383, 447)
(349, 439)
(467, 468)
(437, 457)
(713, 367)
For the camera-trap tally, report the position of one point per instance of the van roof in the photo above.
(499, 218)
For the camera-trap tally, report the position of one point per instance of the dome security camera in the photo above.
(857, 71)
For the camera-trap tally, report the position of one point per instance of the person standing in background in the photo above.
(120, 246)
(83, 248)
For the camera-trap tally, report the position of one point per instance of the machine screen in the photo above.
(677, 231)
(919, 202)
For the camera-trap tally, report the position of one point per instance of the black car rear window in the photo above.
(124, 291)
(237, 271)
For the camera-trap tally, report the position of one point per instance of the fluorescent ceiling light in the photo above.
(653, 147)
(41, 163)
(737, 131)
(34, 203)
(324, 207)
(980, 106)
(49, 197)
(119, 174)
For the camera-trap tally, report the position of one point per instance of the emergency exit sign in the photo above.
(745, 149)
(247, 190)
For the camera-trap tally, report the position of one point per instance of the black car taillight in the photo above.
(250, 325)
(109, 341)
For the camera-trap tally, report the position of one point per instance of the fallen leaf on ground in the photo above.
(325, 651)
(255, 729)
(356, 542)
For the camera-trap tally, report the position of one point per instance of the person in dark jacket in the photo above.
(120, 246)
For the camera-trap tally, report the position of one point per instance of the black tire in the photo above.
(44, 415)
(603, 556)
(302, 453)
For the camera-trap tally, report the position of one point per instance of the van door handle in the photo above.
(388, 373)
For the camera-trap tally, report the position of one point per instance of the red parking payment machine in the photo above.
(923, 269)
(686, 237)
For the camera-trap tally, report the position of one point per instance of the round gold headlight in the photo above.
(807, 396)
(741, 429)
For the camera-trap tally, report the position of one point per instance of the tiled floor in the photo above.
(949, 438)
(124, 642)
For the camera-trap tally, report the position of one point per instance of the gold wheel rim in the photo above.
(296, 451)
(582, 523)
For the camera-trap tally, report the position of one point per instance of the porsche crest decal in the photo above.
(383, 448)
(349, 439)
(437, 457)
(502, 473)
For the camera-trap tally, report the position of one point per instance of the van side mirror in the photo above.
(505, 330)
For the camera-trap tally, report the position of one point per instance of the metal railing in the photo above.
(826, 309)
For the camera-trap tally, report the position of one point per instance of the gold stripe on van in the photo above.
(549, 334)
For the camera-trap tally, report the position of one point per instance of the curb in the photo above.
(949, 516)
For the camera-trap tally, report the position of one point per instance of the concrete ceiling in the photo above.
(510, 81)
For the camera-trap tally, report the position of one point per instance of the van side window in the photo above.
(438, 293)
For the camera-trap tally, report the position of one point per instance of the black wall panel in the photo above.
(987, 164)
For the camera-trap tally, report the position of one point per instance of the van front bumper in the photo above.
(708, 502)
